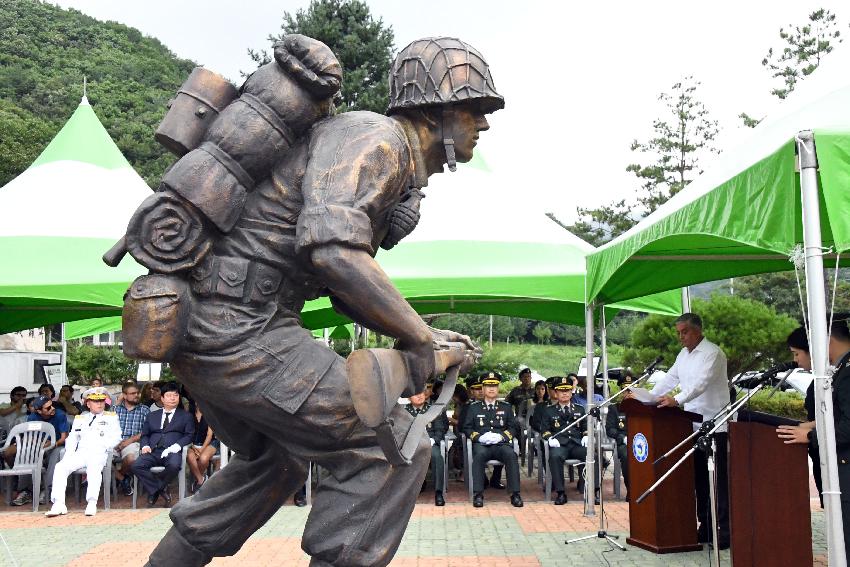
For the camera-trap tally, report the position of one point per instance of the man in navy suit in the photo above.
(164, 435)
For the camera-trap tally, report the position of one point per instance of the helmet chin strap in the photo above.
(447, 134)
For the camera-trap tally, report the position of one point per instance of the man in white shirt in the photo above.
(700, 373)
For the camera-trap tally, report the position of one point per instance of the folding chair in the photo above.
(30, 439)
(181, 478)
(467, 473)
(547, 476)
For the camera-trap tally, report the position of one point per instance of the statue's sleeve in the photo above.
(354, 176)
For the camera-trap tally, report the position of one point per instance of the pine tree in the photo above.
(805, 48)
(681, 138)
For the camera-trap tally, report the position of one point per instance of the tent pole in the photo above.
(491, 331)
(686, 299)
(590, 477)
(64, 367)
(816, 296)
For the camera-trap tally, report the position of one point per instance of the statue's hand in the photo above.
(419, 357)
(465, 351)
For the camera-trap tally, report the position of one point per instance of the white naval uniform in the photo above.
(88, 446)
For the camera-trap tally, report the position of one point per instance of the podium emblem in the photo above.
(640, 447)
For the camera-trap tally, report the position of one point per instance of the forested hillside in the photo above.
(44, 53)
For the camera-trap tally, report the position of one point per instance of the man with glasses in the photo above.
(132, 416)
(44, 410)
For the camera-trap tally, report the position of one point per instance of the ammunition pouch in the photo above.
(236, 279)
(155, 317)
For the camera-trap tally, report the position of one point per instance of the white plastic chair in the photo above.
(107, 486)
(181, 478)
(30, 439)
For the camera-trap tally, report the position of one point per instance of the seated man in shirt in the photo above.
(164, 434)
(132, 416)
(43, 410)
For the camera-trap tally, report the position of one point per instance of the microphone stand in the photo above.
(706, 443)
(602, 533)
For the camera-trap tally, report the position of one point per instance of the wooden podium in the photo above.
(666, 521)
(769, 512)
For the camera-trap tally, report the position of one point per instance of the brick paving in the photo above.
(456, 535)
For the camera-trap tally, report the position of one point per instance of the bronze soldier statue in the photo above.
(238, 238)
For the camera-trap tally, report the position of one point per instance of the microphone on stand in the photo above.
(649, 369)
(768, 374)
(781, 368)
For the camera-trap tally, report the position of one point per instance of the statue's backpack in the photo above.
(227, 140)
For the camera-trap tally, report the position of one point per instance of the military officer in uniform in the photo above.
(93, 436)
(570, 444)
(437, 433)
(490, 424)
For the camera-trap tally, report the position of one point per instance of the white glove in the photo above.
(554, 442)
(584, 441)
(625, 440)
(432, 442)
(171, 449)
(490, 438)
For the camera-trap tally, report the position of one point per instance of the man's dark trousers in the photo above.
(502, 452)
(154, 483)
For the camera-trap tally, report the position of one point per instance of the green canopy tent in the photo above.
(520, 279)
(747, 214)
(57, 218)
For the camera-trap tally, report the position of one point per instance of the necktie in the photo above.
(167, 421)
(490, 407)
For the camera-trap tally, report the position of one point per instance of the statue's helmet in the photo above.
(438, 71)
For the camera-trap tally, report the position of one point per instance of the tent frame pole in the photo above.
(64, 366)
(816, 298)
(590, 464)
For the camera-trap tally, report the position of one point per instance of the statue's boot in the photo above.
(174, 551)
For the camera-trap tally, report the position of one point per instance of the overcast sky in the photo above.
(581, 80)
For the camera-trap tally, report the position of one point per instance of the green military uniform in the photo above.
(568, 443)
(484, 422)
(437, 433)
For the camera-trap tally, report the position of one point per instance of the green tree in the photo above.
(542, 332)
(803, 49)
(46, 51)
(681, 138)
(363, 45)
(740, 327)
(87, 361)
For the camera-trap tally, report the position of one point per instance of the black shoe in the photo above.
(127, 486)
(494, 483)
(478, 500)
(300, 499)
(596, 498)
(561, 498)
(438, 499)
(152, 498)
(580, 485)
(516, 500)
(166, 496)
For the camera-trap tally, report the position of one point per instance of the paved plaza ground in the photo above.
(455, 535)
